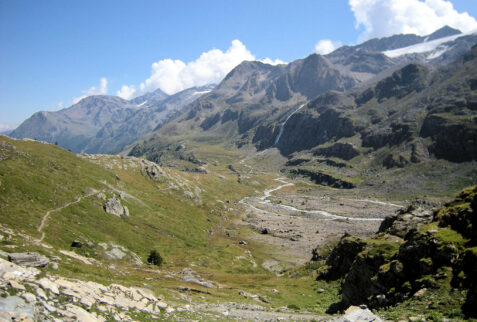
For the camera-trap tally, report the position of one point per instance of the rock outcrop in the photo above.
(405, 220)
(28, 259)
(70, 298)
(339, 261)
(345, 151)
(323, 178)
(415, 251)
(114, 207)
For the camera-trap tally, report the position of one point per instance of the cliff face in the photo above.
(416, 257)
(413, 118)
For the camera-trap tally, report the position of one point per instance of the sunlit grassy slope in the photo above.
(186, 216)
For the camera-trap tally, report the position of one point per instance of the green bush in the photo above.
(155, 258)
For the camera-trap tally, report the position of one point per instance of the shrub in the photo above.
(155, 258)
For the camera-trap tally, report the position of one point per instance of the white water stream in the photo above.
(268, 193)
(377, 202)
(283, 125)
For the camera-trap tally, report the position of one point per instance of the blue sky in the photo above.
(54, 52)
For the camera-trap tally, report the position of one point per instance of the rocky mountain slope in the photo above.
(419, 257)
(251, 104)
(412, 104)
(404, 125)
(101, 124)
(416, 116)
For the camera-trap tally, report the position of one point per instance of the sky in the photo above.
(55, 52)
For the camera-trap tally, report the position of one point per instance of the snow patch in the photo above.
(139, 105)
(426, 46)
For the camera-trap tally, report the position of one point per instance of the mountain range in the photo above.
(102, 124)
(405, 92)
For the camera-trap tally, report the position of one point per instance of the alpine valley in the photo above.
(335, 187)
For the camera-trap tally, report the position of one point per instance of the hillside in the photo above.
(229, 250)
(95, 218)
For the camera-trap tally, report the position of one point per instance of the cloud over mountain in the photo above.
(326, 46)
(380, 18)
(172, 76)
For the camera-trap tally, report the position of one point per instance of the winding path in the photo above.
(45, 217)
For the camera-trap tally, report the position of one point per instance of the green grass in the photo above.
(188, 232)
(36, 178)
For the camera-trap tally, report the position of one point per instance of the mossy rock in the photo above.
(342, 257)
(460, 214)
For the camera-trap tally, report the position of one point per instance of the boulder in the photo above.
(115, 253)
(200, 170)
(28, 259)
(153, 170)
(76, 244)
(355, 313)
(114, 207)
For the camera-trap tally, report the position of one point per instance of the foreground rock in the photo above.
(28, 259)
(355, 313)
(70, 298)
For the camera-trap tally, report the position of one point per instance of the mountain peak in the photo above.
(445, 31)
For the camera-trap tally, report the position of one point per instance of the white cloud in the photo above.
(272, 62)
(126, 92)
(172, 76)
(326, 46)
(102, 89)
(381, 18)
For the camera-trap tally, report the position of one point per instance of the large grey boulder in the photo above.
(114, 207)
(355, 313)
(28, 259)
(115, 253)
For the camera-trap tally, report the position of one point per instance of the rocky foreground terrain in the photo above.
(418, 257)
(29, 297)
